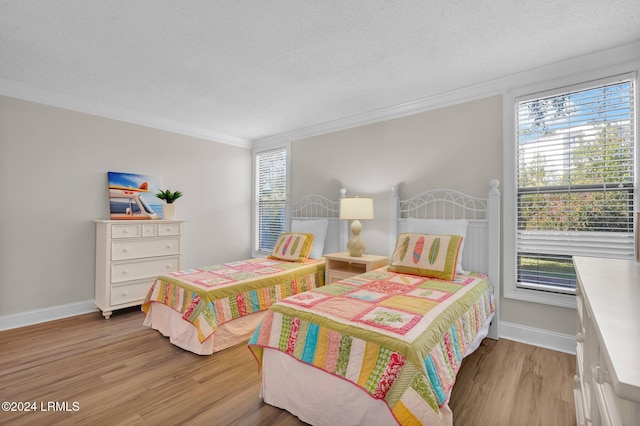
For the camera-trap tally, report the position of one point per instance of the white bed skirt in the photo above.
(320, 399)
(184, 335)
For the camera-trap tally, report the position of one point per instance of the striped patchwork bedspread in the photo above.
(399, 337)
(210, 296)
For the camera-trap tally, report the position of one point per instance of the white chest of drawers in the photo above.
(607, 380)
(129, 255)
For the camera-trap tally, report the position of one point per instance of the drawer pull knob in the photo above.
(125, 293)
(168, 246)
(168, 266)
(125, 250)
(580, 337)
(125, 272)
(126, 231)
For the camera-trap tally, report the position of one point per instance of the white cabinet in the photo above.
(130, 255)
(607, 381)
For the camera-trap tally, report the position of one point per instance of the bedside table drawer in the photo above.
(335, 276)
(130, 292)
(134, 249)
(121, 272)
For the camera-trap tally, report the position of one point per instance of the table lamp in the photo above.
(356, 209)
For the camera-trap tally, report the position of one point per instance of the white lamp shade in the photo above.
(356, 208)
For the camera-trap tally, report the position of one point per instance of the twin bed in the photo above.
(384, 347)
(205, 310)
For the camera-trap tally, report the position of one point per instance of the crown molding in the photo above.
(623, 56)
(615, 58)
(442, 100)
(39, 95)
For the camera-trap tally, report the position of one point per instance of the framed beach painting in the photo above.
(132, 196)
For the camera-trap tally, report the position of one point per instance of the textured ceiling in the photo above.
(246, 70)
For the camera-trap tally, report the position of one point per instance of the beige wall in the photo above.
(53, 177)
(53, 165)
(458, 147)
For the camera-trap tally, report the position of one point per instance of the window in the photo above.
(574, 194)
(271, 197)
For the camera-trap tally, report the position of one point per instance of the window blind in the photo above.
(271, 184)
(575, 180)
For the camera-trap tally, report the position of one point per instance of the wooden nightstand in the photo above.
(342, 265)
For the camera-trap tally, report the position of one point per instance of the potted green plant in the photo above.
(168, 208)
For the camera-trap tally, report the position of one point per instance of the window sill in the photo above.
(537, 296)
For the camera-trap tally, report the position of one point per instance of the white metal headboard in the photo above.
(443, 204)
(482, 243)
(315, 206)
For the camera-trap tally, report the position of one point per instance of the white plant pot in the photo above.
(168, 211)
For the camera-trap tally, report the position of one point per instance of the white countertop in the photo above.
(612, 294)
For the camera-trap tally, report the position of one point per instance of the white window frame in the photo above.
(510, 152)
(254, 202)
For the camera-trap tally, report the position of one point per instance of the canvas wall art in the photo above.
(132, 196)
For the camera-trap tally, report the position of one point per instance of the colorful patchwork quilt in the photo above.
(210, 296)
(399, 337)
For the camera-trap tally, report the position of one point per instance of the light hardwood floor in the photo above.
(121, 373)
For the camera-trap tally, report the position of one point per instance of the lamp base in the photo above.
(355, 245)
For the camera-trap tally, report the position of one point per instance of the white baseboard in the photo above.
(538, 337)
(47, 314)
